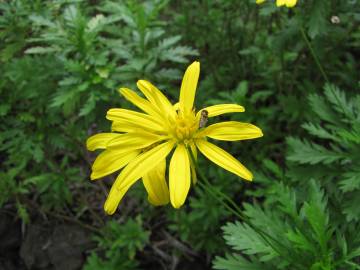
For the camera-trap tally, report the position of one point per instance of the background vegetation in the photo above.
(296, 71)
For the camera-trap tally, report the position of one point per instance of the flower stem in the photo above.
(317, 61)
(219, 199)
(222, 195)
(312, 51)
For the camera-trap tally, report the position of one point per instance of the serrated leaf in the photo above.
(95, 22)
(350, 181)
(241, 236)
(168, 42)
(300, 241)
(317, 21)
(62, 98)
(305, 152)
(41, 21)
(338, 99)
(318, 131)
(322, 109)
(351, 206)
(315, 211)
(41, 50)
(88, 106)
(273, 167)
(349, 135)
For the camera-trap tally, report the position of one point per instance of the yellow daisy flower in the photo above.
(279, 3)
(288, 3)
(140, 142)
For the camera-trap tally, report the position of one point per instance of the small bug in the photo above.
(203, 118)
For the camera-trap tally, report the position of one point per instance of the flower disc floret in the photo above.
(184, 127)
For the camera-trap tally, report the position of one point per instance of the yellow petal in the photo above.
(143, 120)
(291, 3)
(223, 159)
(111, 161)
(280, 3)
(114, 199)
(131, 141)
(176, 106)
(139, 102)
(216, 110)
(179, 176)
(188, 87)
(126, 126)
(99, 141)
(231, 131)
(260, 1)
(156, 97)
(156, 186)
(136, 169)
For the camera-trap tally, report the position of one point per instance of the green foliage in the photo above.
(337, 128)
(144, 45)
(281, 236)
(120, 242)
(196, 225)
(117, 262)
(129, 236)
(14, 26)
(302, 218)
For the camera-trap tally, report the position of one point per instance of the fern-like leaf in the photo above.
(305, 152)
(236, 262)
(338, 99)
(242, 237)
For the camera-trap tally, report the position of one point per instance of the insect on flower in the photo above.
(141, 141)
(203, 118)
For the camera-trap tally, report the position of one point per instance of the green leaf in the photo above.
(300, 241)
(22, 212)
(236, 262)
(41, 21)
(318, 131)
(317, 21)
(88, 106)
(305, 152)
(241, 236)
(96, 23)
(351, 207)
(322, 109)
(338, 99)
(317, 215)
(41, 50)
(350, 181)
(273, 167)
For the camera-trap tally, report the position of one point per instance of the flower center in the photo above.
(185, 127)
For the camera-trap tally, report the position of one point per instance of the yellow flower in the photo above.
(140, 142)
(279, 3)
(288, 3)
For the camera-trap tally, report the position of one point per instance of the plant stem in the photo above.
(210, 191)
(317, 61)
(219, 193)
(311, 49)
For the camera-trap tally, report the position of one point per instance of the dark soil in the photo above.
(44, 244)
